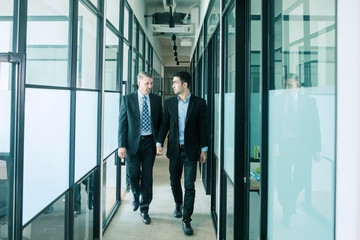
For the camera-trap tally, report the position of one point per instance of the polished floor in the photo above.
(127, 225)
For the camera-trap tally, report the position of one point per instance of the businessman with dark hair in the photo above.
(139, 122)
(185, 119)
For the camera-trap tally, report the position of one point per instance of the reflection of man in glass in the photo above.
(299, 142)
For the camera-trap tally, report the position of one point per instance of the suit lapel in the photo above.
(176, 111)
(151, 107)
(136, 102)
(190, 108)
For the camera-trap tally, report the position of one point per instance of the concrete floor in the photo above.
(127, 225)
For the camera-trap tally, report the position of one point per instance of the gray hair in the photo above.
(143, 75)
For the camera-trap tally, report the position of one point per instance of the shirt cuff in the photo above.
(204, 149)
(158, 144)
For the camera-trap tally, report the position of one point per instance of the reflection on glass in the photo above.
(47, 42)
(217, 116)
(255, 119)
(111, 54)
(302, 121)
(6, 26)
(113, 11)
(141, 64)
(213, 19)
(135, 28)
(146, 50)
(141, 42)
(5, 151)
(109, 185)
(126, 22)
(125, 66)
(83, 208)
(133, 72)
(229, 209)
(229, 119)
(229, 101)
(87, 42)
(50, 224)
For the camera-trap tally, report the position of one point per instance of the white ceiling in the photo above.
(165, 41)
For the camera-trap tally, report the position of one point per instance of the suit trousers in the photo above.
(140, 166)
(190, 167)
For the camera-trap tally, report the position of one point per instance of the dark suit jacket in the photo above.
(195, 128)
(130, 122)
(307, 127)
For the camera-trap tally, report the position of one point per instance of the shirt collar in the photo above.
(186, 100)
(140, 95)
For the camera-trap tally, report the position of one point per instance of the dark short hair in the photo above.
(142, 75)
(185, 77)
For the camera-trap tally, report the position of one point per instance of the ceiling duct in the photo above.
(160, 23)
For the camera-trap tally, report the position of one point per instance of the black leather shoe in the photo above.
(177, 212)
(145, 218)
(135, 204)
(186, 226)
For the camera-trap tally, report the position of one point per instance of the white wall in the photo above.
(139, 10)
(348, 121)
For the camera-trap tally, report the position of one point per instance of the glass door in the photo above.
(9, 66)
(255, 119)
(215, 120)
(302, 117)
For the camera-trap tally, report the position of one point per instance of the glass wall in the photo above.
(87, 41)
(109, 185)
(47, 43)
(229, 118)
(111, 60)
(7, 112)
(113, 12)
(6, 152)
(301, 184)
(83, 208)
(49, 224)
(255, 118)
(6, 25)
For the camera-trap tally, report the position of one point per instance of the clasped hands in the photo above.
(160, 151)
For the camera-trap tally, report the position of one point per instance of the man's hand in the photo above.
(122, 152)
(203, 157)
(159, 150)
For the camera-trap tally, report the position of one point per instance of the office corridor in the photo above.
(127, 225)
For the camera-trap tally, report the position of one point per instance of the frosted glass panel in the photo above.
(47, 42)
(111, 55)
(5, 106)
(6, 11)
(46, 148)
(113, 11)
(86, 72)
(5, 111)
(298, 180)
(111, 122)
(85, 132)
(302, 110)
(229, 134)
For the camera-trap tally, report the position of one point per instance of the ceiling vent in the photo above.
(160, 23)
